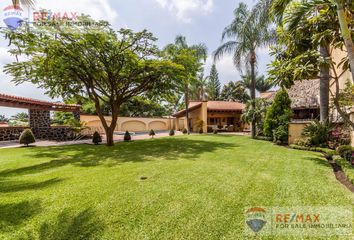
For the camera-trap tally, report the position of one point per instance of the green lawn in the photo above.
(196, 188)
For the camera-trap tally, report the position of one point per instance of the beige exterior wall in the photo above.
(337, 56)
(129, 124)
(295, 130)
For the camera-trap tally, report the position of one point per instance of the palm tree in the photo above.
(246, 38)
(23, 2)
(198, 89)
(262, 85)
(200, 51)
(268, 10)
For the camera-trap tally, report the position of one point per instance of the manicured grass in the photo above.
(197, 187)
(348, 169)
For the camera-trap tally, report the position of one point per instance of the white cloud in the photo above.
(226, 69)
(97, 9)
(183, 8)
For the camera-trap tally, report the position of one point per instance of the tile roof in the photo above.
(213, 106)
(30, 102)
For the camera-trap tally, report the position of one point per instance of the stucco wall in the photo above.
(128, 124)
(295, 130)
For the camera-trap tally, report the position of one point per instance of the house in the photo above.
(222, 115)
(305, 99)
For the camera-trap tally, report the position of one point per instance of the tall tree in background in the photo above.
(214, 84)
(199, 88)
(262, 85)
(234, 91)
(191, 58)
(246, 38)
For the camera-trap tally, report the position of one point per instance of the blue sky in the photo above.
(201, 21)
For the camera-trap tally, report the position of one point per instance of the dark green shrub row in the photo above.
(346, 152)
(264, 138)
(314, 149)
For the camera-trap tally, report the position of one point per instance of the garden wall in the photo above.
(295, 130)
(45, 133)
(132, 124)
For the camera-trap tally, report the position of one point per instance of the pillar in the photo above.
(76, 115)
(39, 118)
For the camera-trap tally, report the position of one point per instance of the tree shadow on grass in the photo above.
(319, 161)
(14, 214)
(130, 152)
(16, 186)
(84, 225)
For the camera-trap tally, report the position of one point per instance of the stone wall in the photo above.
(10, 133)
(39, 118)
(48, 133)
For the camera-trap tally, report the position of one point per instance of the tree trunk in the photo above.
(346, 34)
(109, 136)
(324, 86)
(186, 101)
(253, 90)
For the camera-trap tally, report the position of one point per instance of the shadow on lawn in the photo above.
(14, 214)
(139, 151)
(16, 186)
(84, 225)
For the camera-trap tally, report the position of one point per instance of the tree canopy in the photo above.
(93, 60)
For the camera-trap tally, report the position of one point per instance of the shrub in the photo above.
(346, 152)
(313, 149)
(127, 136)
(303, 141)
(96, 139)
(280, 134)
(318, 133)
(215, 131)
(152, 133)
(278, 117)
(200, 130)
(185, 131)
(172, 132)
(27, 137)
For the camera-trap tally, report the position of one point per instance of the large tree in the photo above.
(234, 91)
(191, 58)
(94, 60)
(214, 85)
(246, 38)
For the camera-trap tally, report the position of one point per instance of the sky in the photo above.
(201, 21)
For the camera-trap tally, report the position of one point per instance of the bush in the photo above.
(152, 133)
(172, 132)
(314, 149)
(280, 134)
(200, 130)
(127, 136)
(278, 117)
(318, 133)
(96, 139)
(27, 137)
(264, 138)
(185, 131)
(215, 131)
(346, 152)
(303, 141)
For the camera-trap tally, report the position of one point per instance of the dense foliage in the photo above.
(214, 85)
(96, 139)
(27, 137)
(107, 66)
(278, 117)
(256, 112)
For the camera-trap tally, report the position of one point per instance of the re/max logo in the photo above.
(42, 15)
(297, 218)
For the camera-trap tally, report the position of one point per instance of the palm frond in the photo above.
(226, 48)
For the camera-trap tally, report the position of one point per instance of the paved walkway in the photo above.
(117, 138)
